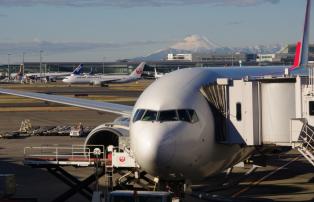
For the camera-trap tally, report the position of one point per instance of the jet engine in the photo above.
(98, 83)
(115, 133)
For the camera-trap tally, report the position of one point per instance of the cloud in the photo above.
(3, 15)
(131, 3)
(246, 2)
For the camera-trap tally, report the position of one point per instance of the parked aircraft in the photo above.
(158, 75)
(15, 77)
(172, 126)
(18, 75)
(105, 79)
(52, 76)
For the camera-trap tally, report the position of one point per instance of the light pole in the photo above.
(9, 65)
(23, 63)
(103, 65)
(40, 60)
(23, 55)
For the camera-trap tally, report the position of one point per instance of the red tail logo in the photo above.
(138, 71)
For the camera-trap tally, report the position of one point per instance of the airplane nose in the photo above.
(153, 146)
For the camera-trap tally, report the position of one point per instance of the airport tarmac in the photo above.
(293, 182)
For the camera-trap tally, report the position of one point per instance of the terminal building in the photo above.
(214, 59)
(287, 53)
(180, 57)
(172, 62)
(283, 57)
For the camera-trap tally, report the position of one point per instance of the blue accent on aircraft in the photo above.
(78, 70)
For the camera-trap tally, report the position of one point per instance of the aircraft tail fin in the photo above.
(297, 57)
(21, 71)
(304, 55)
(91, 71)
(78, 70)
(137, 73)
(302, 49)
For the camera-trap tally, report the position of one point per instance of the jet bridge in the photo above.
(267, 110)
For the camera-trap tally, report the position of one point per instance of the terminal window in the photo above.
(311, 108)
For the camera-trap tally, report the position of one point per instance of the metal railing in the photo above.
(57, 154)
(311, 77)
(307, 143)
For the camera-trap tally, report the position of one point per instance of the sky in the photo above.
(107, 30)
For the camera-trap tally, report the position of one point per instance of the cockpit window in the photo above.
(187, 115)
(183, 115)
(150, 115)
(138, 114)
(193, 116)
(169, 115)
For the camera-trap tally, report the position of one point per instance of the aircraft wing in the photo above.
(77, 102)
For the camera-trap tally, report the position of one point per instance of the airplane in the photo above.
(19, 74)
(172, 127)
(52, 76)
(91, 72)
(158, 75)
(102, 80)
(15, 77)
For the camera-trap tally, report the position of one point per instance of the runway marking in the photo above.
(252, 184)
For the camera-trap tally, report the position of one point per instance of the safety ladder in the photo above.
(306, 148)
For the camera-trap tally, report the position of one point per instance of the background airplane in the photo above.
(52, 76)
(105, 79)
(158, 75)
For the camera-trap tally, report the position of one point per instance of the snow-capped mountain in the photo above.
(200, 44)
(195, 43)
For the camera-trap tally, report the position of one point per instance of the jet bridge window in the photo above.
(311, 108)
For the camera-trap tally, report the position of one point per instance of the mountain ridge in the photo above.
(200, 44)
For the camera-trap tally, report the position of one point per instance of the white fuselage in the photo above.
(105, 79)
(97, 79)
(180, 148)
(48, 74)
